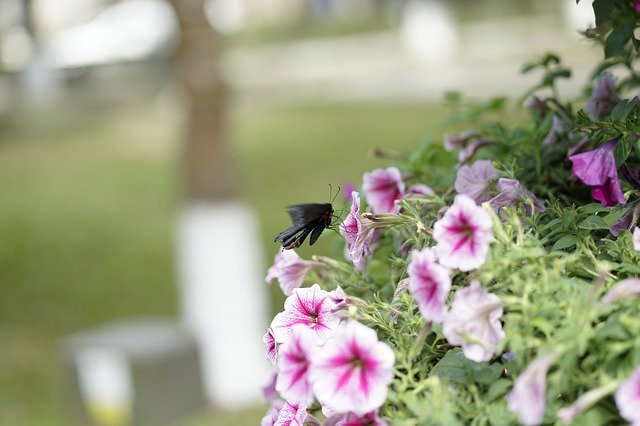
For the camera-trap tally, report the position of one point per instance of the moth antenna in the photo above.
(336, 196)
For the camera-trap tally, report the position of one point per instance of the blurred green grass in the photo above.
(87, 211)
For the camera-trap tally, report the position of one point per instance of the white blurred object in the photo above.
(16, 48)
(428, 30)
(226, 16)
(127, 31)
(224, 301)
(578, 17)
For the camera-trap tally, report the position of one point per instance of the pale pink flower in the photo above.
(470, 150)
(272, 415)
(352, 371)
(429, 283)
(513, 193)
(628, 288)
(358, 233)
(351, 419)
(568, 414)
(452, 142)
(271, 347)
(269, 392)
(290, 270)
(463, 235)
(473, 180)
(474, 322)
(528, 398)
(291, 415)
(293, 362)
(628, 398)
(382, 187)
(420, 190)
(312, 308)
(603, 98)
(636, 239)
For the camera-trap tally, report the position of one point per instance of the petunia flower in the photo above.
(636, 239)
(473, 180)
(312, 308)
(271, 347)
(351, 419)
(419, 189)
(568, 414)
(603, 97)
(452, 142)
(290, 270)
(558, 128)
(638, 6)
(628, 398)
(627, 288)
(474, 322)
(597, 168)
(429, 283)
(537, 106)
(291, 415)
(352, 371)
(293, 362)
(463, 235)
(358, 233)
(528, 397)
(470, 150)
(382, 187)
(513, 193)
(269, 392)
(347, 190)
(272, 414)
(628, 219)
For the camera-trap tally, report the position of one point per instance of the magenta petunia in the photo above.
(628, 398)
(463, 235)
(638, 6)
(473, 180)
(358, 233)
(625, 289)
(271, 347)
(528, 398)
(311, 308)
(352, 371)
(603, 97)
(291, 415)
(513, 193)
(474, 322)
(636, 239)
(597, 168)
(382, 187)
(294, 358)
(351, 419)
(290, 270)
(429, 283)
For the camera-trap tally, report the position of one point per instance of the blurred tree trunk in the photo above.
(208, 170)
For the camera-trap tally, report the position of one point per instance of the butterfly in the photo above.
(312, 218)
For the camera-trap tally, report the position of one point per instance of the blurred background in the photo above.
(147, 151)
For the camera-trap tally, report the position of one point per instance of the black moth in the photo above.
(307, 219)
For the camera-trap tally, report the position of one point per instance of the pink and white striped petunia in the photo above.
(272, 415)
(290, 270)
(291, 415)
(350, 419)
(352, 371)
(311, 308)
(358, 235)
(429, 284)
(463, 235)
(473, 180)
(269, 392)
(474, 322)
(528, 398)
(382, 187)
(628, 398)
(293, 362)
(271, 347)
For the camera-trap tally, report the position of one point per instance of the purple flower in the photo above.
(474, 322)
(568, 414)
(638, 6)
(558, 128)
(272, 415)
(513, 193)
(628, 398)
(382, 187)
(463, 235)
(271, 347)
(311, 308)
(597, 168)
(430, 284)
(603, 97)
(537, 106)
(528, 397)
(452, 142)
(358, 234)
(352, 371)
(629, 288)
(290, 270)
(469, 151)
(347, 189)
(293, 367)
(473, 180)
(291, 415)
(636, 239)
(351, 419)
(420, 190)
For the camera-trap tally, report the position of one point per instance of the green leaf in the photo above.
(623, 149)
(550, 59)
(618, 39)
(497, 389)
(617, 113)
(530, 66)
(455, 367)
(593, 222)
(602, 9)
(565, 242)
(592, 208)
(549, 78)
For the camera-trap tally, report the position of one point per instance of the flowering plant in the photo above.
(506, 291)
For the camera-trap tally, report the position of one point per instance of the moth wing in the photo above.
(317, 230)
(306, 213)
(296, 240)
